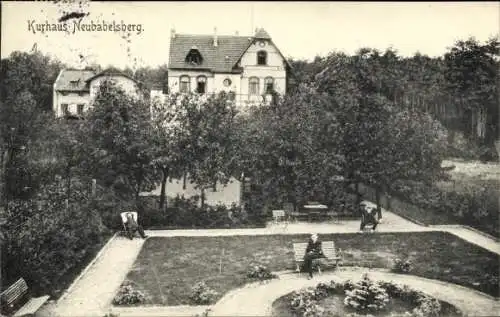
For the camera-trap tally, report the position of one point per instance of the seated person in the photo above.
(313, 251)
(132, 226)
(368, 216)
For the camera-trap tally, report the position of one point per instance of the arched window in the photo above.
(194, 57)
(184, 86)
(269, 85)
(253, 86)
(261, 58)
(201, 84)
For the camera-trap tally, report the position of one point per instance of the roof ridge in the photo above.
(211, 35)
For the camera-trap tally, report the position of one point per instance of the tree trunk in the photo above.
(184, 178)
(68, 183)
(358, 195)
(202, 198)
(163, 204)
(138, 189)
(377, 202)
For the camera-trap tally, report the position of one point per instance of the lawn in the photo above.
(167, 268)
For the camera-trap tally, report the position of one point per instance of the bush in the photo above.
(201, 294)
(402, 265)
(48, 246)
(261, 273)
(304, 303)
(472, 205)
(428, 307)
(185, 213)
(366, 295)
(128, 295)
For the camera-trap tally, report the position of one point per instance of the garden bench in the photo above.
(17, 301)
(329, 251)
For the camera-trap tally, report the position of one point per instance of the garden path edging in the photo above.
(98, 255)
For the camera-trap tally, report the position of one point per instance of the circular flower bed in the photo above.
(362, 298)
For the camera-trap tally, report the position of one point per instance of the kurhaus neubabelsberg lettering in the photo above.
(81, 26)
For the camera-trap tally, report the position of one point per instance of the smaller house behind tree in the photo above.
(74, 89)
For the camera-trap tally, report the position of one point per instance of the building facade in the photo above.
(247, 68)
(74, 89)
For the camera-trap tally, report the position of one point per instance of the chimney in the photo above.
(215, 37)
(172, 33)
(237, 33)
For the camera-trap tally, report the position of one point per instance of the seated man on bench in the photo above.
(131, 225)
(313, 251)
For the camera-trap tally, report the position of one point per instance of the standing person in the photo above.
(313, 251)
(132, 226)
(368, 216)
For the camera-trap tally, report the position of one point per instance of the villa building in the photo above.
(247, 68)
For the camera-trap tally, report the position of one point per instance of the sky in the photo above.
(301, 30)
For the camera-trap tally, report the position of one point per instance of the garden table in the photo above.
(315, 211)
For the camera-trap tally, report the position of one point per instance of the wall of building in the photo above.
(127, 84)
(174, 77)
(275, 68)
(72, 99)
(85, 98)
(226, 195)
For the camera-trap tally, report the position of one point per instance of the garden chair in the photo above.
(123, 215)
(280, 216)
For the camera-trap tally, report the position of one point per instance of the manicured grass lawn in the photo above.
(167, 268)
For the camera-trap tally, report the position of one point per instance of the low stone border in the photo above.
(159, 311)
(487, 235)
(99, 254)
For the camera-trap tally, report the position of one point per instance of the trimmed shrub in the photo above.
(261, 273)
(402, 265)
(367, 295)
(201, 294)
(304, 303)
(128, 296)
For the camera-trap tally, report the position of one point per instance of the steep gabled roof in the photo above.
(73, 79)
(111, 72)
(220, 58)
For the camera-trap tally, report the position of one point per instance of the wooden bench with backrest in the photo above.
(329, 251)
(17, 301)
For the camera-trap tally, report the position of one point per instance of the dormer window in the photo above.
(74, 83)
(261, 58)
(194, 57)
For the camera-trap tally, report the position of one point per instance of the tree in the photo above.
(169, 139)
(289, 147)
(380, 142)
(472, 76)
(120, 134)
(25, 93)
(207, 124)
